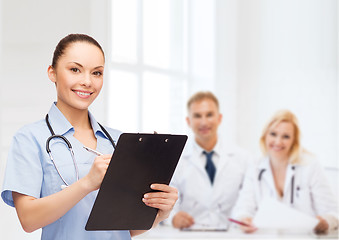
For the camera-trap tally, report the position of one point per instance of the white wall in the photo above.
(338, 80)
(29, 32)
(226, 66)
(289, 60)
(268, 55)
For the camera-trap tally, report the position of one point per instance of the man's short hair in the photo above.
(202, 95)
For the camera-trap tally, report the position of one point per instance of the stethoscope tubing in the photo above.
(292, 182)
(72, 154)
(69, 145)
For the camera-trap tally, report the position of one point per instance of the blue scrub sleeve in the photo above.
(23, 170)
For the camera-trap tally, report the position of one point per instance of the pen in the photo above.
(239, 222)
(93, 151)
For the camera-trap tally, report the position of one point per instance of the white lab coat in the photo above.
(312, 193)
(209, 205)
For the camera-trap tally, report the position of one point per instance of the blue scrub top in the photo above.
(30, 171)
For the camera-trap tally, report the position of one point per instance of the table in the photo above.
(167, 232)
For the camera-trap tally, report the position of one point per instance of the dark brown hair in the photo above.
(68, 40)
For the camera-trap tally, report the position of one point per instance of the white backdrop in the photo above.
(262, 56)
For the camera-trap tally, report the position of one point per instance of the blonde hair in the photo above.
(199, 96)
(278, 117)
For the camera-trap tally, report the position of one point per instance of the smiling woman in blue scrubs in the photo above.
(33, 183)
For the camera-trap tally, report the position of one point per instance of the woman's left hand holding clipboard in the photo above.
(164, 199)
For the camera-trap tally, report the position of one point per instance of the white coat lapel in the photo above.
(266, 177)
(222, 165)
(195, 158)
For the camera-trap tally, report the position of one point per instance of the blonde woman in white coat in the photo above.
(288, 174)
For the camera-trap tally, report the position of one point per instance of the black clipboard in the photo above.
(138, 161)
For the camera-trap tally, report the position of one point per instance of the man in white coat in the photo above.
(209, 174)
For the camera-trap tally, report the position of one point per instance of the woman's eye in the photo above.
(273, 134)
(75, 70)
(97, 73)
(286, 136)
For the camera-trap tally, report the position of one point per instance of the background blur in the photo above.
(257, 56)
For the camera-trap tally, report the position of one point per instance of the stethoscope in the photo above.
(292, 181)
(69, 145)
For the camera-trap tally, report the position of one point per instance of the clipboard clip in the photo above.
(155, 132)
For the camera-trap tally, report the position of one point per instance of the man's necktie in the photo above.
(210, 167)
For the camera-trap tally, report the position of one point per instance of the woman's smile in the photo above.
(83, 94)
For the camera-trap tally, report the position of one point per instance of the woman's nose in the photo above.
(86, 81)
(278, 140)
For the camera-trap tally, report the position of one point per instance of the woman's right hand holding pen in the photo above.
(35, 213)
(97, 172)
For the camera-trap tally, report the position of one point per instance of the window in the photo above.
(148, 66)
